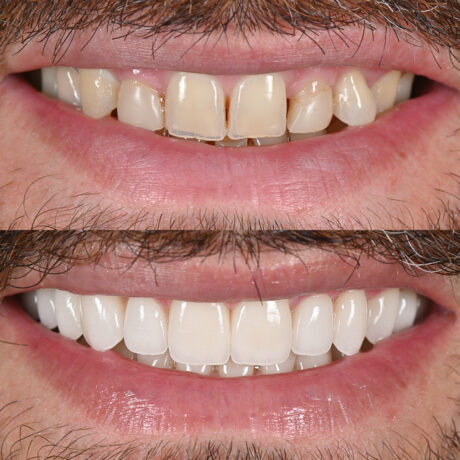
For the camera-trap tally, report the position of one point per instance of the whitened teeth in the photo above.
(68, 85)
(99, 92)
(385, 89)
(405, 87)
(251, 338)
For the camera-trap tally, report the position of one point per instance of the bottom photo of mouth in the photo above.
(210, 345)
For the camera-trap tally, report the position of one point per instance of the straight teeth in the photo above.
(251, 337)
(256, 112)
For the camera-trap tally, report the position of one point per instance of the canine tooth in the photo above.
(382, 312)
(163, 361)
(46, 308)
(49, 81)
(145, 327)
(258, 107)
(260, 141)
(68, 314)
(385, 89)
(409, 302)
(99, 92)
(311, 110)
(199, 333)
(103, 318)
(354, 103)
(279, 368)
(195, 107)
(227, 142)
(68, 85)
(139, 105)
(202, 369)
(261, 332)
(300, 136)
(231, 369)
(313, 325)
(308, 362)
(405, 85)
(350, 321)
(30, 303)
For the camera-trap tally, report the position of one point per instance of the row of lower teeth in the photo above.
(198, 336)
(257, 112)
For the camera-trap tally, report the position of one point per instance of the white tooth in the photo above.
(311, 110)
(103, 318)
(139, 105)
(258, 107)
(300, 136)
(308, 362)
(49, 81)
(123, 351)
(279, 368)
(195, 107)
(384, 90)
(409, 302)
(227, 142)
(313, 325)
(382, 312)
(350, 321)
(203, 369)
(354, 103)
(145, 328)
(199, 333)
(261, 332)
(231, 369)
(30, 303)
(260, 141)
(99, 92)
(406, 83)
(68, 85)
(68, 314)
(163, 361)
(46, 308)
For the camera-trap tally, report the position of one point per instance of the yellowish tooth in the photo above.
(258, 107)
(311, 110)
(405, 85)
(99, 92)
(354, 102)
(49, 81)
(385, 89)
(261, 141)
(139, 105)
(68, 85)
(195, 107)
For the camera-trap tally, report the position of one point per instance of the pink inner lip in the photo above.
(321, 402)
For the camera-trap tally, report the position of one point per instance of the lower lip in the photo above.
(132, 398)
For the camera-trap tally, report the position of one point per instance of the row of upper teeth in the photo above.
(196, 107)
(198, 336)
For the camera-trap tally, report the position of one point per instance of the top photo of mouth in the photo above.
(220, 115)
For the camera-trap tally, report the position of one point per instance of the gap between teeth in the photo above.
(253, 337)
(257, 112)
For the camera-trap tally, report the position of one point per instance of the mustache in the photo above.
(52, 252)
(435, 22)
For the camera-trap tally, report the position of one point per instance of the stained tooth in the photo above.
(312, 324)
(279, 368)
(260, 141)
(199, 333)
(382, 312)
(311, 110)
(139, 105)
(163, 361)
(258, 107)
(385, 89)
(49, 81)
(300, 136)
(99, 92)
(145, 327)
(195, 107)
(405, 85)
(103, 318)
(308, 362)
(350, 321)
(354, 103)
(46, 308)
(409, 302)
(197, 369)
(68, 85)
(68, 314)
(227, 142)
(30, 302)
(261, 332)
(231, 369)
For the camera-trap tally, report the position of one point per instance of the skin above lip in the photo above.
(401, 162)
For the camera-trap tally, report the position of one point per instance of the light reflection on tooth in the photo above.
(385, 89)
(409, 302)
(68, 314)
(382, 312)
(405, 85)
(261, 141)
(231, 369)
(197, 369)
(68, 85)
(308, 362)
(46, 308)
(99, 92)
(279, 368)
(163, 361)
(49, 81)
